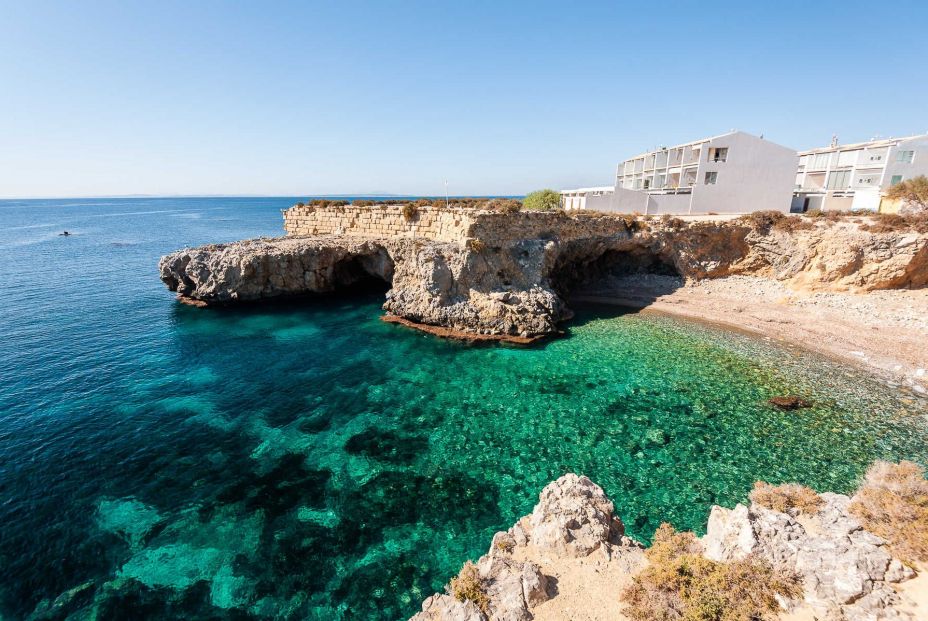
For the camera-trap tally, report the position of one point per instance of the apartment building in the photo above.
(855, 176)
(731, 173)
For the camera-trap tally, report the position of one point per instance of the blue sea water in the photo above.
(306, 460)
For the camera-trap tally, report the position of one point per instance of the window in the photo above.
(718, 154)
(895, 179)
(839, 179)
(905, 157)
(821, 160)
(647, 183)
(712, 178)
(661, 181)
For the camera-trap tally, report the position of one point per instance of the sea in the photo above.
(305, 460)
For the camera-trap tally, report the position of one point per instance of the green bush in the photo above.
(542, 200)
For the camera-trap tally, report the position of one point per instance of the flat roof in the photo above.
(882, 142)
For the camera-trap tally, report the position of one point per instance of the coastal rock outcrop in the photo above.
(509, 275)
(573, 519)
(847, 572)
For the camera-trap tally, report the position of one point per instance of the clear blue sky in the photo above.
(302, 98)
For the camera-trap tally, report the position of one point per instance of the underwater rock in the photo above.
(789, 402)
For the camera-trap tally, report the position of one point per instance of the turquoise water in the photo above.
(310, 461)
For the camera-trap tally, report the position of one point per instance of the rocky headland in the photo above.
(483, 274)
(570, 559)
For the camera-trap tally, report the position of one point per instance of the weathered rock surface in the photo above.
(510, 273)
(847, 572)
(573, 518)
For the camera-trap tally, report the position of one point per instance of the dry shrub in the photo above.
(506, 205)
(410, 210)
(362, 203)
(892, 223)
(468, 586)
(892, 502)
(679, 584)
(787, 496)
(476, 245)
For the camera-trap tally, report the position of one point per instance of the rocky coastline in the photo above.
(509, 275)
(570, 558)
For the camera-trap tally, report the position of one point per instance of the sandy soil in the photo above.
(885, 331)
(587, 588)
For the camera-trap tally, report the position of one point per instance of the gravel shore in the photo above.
(886, 331)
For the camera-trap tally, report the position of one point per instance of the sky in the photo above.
(496, 98)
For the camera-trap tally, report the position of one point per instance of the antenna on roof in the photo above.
(834, 140)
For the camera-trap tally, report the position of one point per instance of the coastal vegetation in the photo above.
(542, 200)
(913, 192)
(467, 586)
(786, 497)
(680, 584)
(892, 502)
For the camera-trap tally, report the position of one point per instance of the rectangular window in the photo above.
(661, 181)
(718, 154)
(905, 157)
(839, 180)
(821, 160)
(712, 178)
(895, 179)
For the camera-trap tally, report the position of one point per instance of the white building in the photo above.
(576, 199)
(731, 173)
(855, 176)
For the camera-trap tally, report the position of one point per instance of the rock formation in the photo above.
(508, 275)
(847, 572)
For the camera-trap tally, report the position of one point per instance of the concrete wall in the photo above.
(758, 175)
(379, 221)
(918, 166)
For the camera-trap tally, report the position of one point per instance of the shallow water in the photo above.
(309, 461)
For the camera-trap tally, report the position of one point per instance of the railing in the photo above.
(680, 190)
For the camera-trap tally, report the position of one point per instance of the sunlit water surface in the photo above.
(309, 461)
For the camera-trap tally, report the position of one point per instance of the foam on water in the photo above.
(309, 461)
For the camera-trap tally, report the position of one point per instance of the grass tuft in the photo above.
(679, 584)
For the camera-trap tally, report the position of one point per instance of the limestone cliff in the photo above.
(509, 275)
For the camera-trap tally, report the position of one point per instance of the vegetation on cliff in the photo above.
(786, 497)
(892, 502)
(912, 192)
(679, 583)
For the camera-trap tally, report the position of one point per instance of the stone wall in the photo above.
(379, 221)
(494, 228)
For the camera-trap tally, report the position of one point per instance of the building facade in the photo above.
(855, 176)
(731, 173)
(577, 199)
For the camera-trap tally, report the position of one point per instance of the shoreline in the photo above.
(873, 331)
